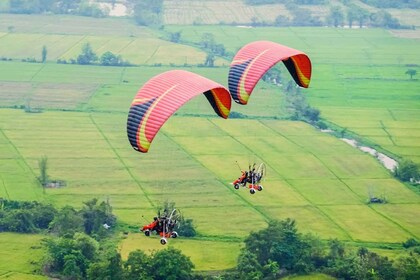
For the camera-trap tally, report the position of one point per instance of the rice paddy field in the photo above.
(20, 256)
(358, 83)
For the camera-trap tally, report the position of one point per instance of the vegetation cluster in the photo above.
(88, 56)
(83, 245)
(25, 217)
(413, 4)
(74, 7)
(33, 217)
(280, 249)
(151, 12)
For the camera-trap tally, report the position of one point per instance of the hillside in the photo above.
(238, 12)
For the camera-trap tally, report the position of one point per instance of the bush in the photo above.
(407, 171)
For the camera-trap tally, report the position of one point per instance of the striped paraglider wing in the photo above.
(253, 60)
(162, 96)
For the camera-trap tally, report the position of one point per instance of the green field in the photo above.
(21, 256)
(358, 83)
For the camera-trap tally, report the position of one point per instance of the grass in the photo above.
(310, 183)
(313, 276)
(206, 255)
(352, 86)
(313, 177)
(362, 223)
(21, 256)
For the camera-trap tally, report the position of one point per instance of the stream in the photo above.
(388, 162)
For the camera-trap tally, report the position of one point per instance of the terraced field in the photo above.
(358, 83)
(323, 189)
(323, 183)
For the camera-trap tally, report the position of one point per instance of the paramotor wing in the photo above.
(253, 60)
(162, 95)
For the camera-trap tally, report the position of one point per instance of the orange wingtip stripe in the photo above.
(304, 80)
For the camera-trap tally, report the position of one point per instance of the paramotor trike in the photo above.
(163, 225)
(253, 177)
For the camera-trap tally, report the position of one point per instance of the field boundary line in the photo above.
(37, 72)
(22, 159)
(217, 178)
(84, 104)
(387, 133)
(299, 192)
(126, 45)
(152, 55)
(4, 186)
(392, 114)
(343, 182)
(73, 46)
(386, 217)
(120, 159)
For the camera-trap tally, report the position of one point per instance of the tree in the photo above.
(175, 37)
(67, 222)
(43, 166)
(91, 10)
(282, 20)
(115, 270)
(210, 58)
(411, 242)
(108, 265)
(44, 54)
(281, 243)
(311, 114)
(43, 215)
(71, 270)
(351, 15)
(207, 41)
(110, 59)
(411, 72)
(95, 216)
(87, 56)
(248, 266)
(71, 257)
(369, 265)
(384, 19)
(17, 220)
(296, 105)
(186, 228)
(86, 245)
(171, 264)
(66, 6)
(137, 266)
(408, 267)
(362, 16)
(407, 170)
(149, 12)
(336, 16)
(303, 17)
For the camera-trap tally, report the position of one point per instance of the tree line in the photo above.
(75, 7)
(36, 217)
(280, 250)
(151, 12)
(83, 244)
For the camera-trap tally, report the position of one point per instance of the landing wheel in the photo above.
(252, 191)
(174, 234)
(147, 232)
(236, 186)
(163, 241)
(260, 188)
